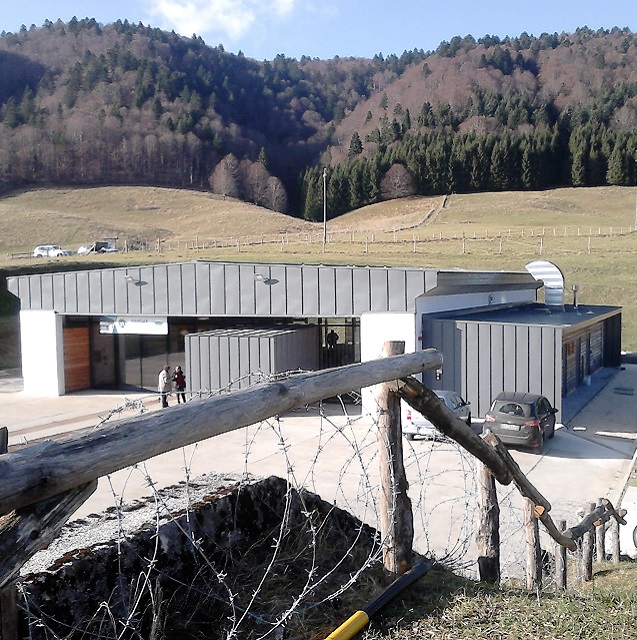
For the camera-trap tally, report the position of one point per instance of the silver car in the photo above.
(415, 424)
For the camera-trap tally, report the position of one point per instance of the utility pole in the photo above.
(324, 207)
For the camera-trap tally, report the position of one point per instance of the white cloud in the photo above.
(230, 19)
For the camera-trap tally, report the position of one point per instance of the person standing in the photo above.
(179, 379)
(163, 385)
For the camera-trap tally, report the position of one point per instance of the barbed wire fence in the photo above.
(291, 570)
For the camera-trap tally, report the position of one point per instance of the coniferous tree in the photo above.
(355, 146)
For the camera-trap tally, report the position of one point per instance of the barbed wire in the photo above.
(293, 567)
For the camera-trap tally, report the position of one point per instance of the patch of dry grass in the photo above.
(445, 607)
(588, 233)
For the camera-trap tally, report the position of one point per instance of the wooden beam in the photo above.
(396, 516)
(488, 533)
(519, 479)
(560, 560)
(426, 402)
(532, 549)
(43, 470)
(32, 528)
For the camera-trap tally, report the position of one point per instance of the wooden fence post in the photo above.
(614, 540)
(587, 551)
(560, 560)
(396, 518)
(533, 552)
(8, 595)
(600, 538)
(488, 535)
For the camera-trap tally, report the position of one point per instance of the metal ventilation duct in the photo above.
(553, 280)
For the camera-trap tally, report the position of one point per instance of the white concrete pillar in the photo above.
(378, 328)
(42, 342)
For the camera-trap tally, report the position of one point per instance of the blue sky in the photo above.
(325, 28)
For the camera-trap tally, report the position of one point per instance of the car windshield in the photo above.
(512, 409)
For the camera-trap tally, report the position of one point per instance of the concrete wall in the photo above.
(378, 328)
(42, 346)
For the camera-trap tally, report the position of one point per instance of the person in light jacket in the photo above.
(163, 385)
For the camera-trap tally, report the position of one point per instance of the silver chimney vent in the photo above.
(553, 280)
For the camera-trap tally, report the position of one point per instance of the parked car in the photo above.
(50, 251)
(415, 424)
(525, 419)
(101, 246)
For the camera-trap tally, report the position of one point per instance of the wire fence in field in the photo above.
(298, 567)
(533, 238)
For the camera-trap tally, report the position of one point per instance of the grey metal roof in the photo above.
(210, 289)
(537, 314)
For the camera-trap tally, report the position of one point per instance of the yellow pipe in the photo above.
(350, 627)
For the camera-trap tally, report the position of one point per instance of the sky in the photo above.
(262, 29)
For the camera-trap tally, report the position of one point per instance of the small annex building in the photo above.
(115, 328)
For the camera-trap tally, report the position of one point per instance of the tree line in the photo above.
(83, 103)
(443, 163)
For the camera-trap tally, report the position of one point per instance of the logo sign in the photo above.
(142, 326)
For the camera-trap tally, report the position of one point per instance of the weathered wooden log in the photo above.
(533, 551)
(43, 470)
(587, 523)
(587, 546)
(8, 593)
(32, 528)
(426, 402)
(9, 612)
(600, 534)
(519, 479)
(555, 533)
(614, 542)
(560, 560)
(617, 514)
(396, 516)
(488, 534)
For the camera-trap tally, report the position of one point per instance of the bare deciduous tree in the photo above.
(397, 183)
(223, 180)
(257, 183)
(277, 198)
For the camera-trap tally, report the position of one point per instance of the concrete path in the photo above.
(334, 455)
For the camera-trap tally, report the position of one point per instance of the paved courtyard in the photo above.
(334, 455)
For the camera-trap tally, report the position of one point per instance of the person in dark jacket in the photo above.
(179, 379)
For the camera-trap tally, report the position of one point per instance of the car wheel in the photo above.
(538, 448)
(469, 420)
(410, 436)
(552, 431)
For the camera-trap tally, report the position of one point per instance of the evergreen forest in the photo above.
(83, 103)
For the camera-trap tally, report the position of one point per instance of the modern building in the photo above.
(116, 327)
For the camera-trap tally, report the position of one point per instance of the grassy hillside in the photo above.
(586, 232)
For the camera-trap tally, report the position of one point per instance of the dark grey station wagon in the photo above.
(524, 419)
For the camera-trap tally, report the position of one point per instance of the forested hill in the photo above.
(84, 103)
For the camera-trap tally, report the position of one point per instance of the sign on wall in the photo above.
(125, 324)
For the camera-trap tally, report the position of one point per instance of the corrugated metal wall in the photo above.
(217, 359)
(225, 289)
(481, 359)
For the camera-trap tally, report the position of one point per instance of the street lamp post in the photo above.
(324, 207)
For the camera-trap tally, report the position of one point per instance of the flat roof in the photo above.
(536, 314)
